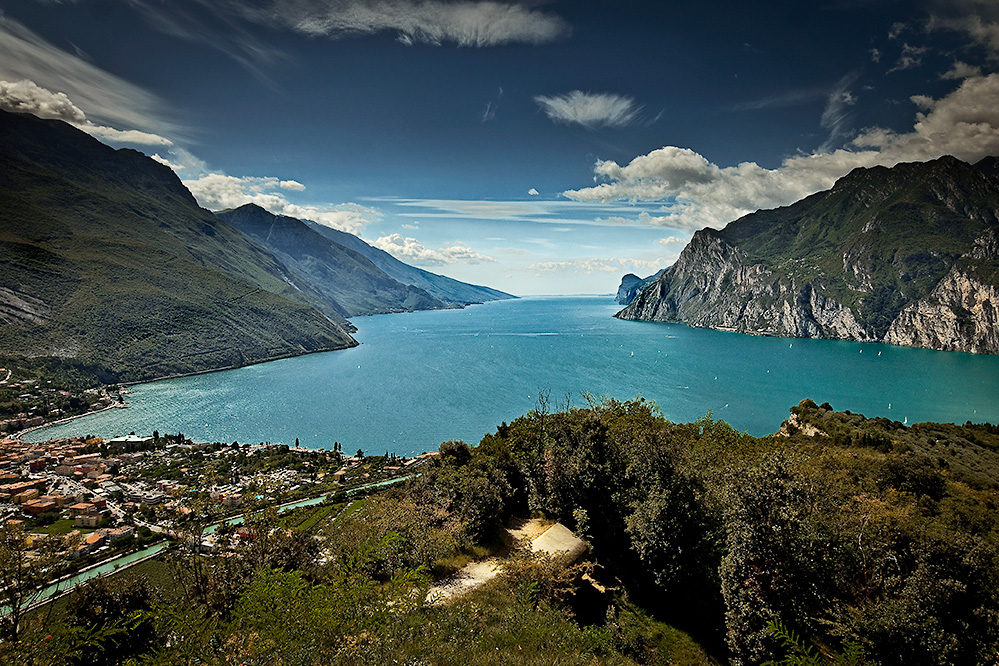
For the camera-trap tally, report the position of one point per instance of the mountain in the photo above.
(348, 277)
(907, 255)
(107, 259)
(631, 284)
(449, 290)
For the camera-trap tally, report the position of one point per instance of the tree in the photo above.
(773, 568)
(26, 565)
(115, 617)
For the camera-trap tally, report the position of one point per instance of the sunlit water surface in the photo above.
(425, 377)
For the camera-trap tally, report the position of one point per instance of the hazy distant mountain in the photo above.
(631, 284)
(106, 258)
(449, 290)
(347, 276)
(907, 255)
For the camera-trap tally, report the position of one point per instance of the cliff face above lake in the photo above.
(631, 284)
(907, 255)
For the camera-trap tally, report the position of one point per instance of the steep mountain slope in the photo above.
(106, 258)
(357, 284)
(904, 255)
(631, 284)
(449, 290)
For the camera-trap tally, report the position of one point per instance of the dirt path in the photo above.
(474, 574)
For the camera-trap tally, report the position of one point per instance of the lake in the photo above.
(422, 378)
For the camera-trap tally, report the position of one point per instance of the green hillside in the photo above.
(880, 238)
(106, 258)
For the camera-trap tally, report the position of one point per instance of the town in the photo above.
(90, 500)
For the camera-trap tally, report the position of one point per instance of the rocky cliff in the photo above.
(907, 256)
(960, 314)
(631, 284)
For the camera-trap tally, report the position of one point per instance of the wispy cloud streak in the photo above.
(591, 110)
(103, 97)
(472, 24)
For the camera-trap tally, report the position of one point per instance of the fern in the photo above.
(801, 654)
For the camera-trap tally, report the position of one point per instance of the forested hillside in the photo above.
(847, 538)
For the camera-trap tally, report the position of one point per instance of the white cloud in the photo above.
(124, 136)
(591, 110)
(533, 192)
(156, 157)
(219, 192)
(983, 31)
(785, 99)
(698, 193)
(471, 209)
(960, 71)
(102, 97)
(912, 56)
(223, 32)
(410, 249)
(28, 97)
(532, 211)
(644, 218)
(672, 241)
(476, 24)
(291, 185)
(612, 265)
(837, 113)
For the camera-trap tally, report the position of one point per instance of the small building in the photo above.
(26, 496)
(88, 520)
(82, 508)
(232, 500)
(38, 507)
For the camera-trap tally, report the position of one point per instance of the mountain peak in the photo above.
(864, 260)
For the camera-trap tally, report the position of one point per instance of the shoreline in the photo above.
(208, 371)
(19, 434)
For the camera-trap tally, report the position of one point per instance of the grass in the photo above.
(61, 528)
(155, 571)
(319, 514)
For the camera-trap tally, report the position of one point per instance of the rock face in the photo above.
(631, 284)
(907, 256)
(960, 314)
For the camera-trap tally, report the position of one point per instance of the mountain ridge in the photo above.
(107, 259)
(351, 279)
(451, 291)
(869, 259)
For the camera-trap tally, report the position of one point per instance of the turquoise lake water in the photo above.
(425, 377)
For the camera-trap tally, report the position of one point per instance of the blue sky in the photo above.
(536, 147)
